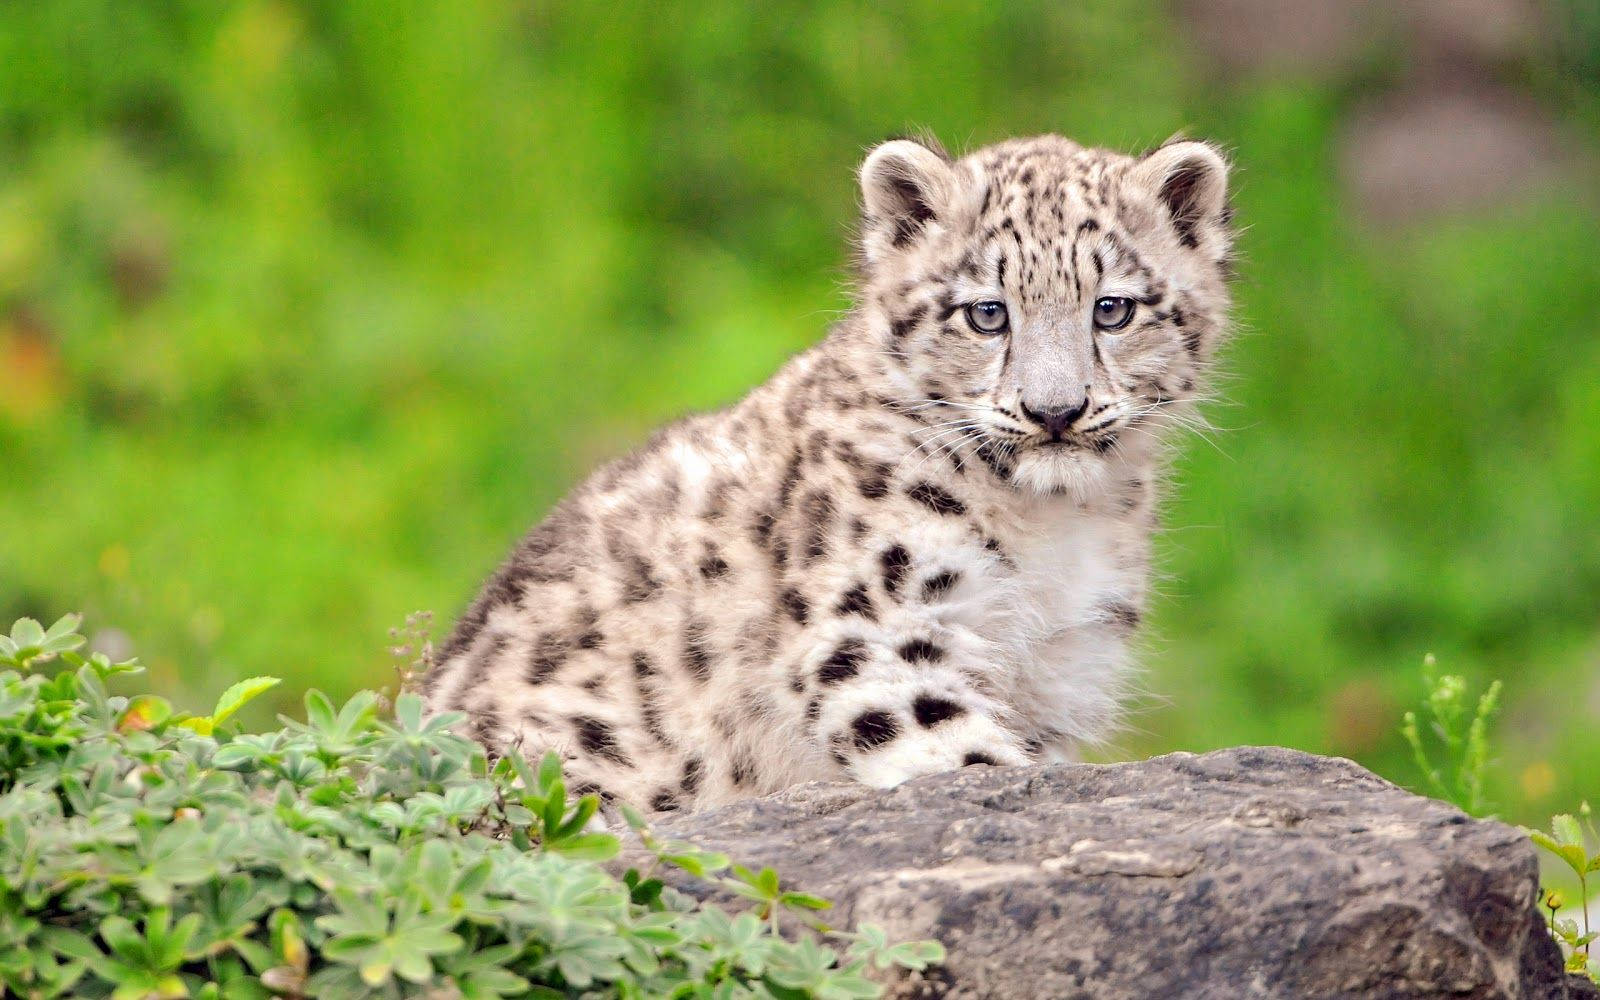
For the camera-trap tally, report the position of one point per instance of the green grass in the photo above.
(335, 301)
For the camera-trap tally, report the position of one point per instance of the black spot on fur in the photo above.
(649, 711)
(1124, 617)
(818, 511)
(486, 724)
(896, 562)
(939, 584)
(1132, 495)
(856, 601)
(761, 525)
(718, 493)
(599, 739)
(814, 708)
(713, 565)
(741, 771)
(650, 716)
(642, 667)
(873, 729)
(549, 652)
(795, 605)
(816, 445)
(664, 801)
(872, 480)
(978, 757)
(993, 545)
(935, 499)
(696, 657)
(592, 639)
(843, 663)
(691, 776)
(903, 325)
(931, 710)
(920, 651)
(641, 582)
(791, 479)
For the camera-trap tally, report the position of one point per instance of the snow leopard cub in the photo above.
(924, 543)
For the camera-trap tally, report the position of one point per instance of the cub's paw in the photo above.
(882, 747)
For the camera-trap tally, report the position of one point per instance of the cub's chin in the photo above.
(1074, 471)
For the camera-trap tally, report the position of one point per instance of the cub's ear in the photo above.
(1190, 179)
(904, 186)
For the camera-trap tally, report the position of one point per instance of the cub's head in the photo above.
(1048, 307)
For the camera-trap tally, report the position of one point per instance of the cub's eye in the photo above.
(988, 316)
(1112, 312)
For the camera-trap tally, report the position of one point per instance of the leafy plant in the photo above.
(1460, 736)
(1460, 729)
(362, 852)
(1566, 841)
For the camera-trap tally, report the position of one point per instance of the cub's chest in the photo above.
(1059, 574)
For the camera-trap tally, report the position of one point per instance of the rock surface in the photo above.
(1251, 872)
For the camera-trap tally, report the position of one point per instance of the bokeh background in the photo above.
(309, 309)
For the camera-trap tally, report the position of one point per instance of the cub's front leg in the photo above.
(903, 698)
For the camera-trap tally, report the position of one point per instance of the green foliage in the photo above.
(360, 853)
(1566, 840)
(1459, 728)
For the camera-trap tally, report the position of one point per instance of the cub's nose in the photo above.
(1058, 420)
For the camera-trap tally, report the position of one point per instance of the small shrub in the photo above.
(1460, 732)
(361, 852)
(1566, 841)
(1460, 737)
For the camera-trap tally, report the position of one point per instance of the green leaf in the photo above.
(633, 817)
(319, 710)
(1541, 838)
(63, 635)
(198, 724)
(238, 695)
(588, 847)
(26, 633)
(915, 954)
(580, 816)
(144, 712)
(549, 771)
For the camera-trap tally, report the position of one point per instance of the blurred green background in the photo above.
(309, 309)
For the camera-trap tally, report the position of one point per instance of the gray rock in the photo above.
(1250, 872)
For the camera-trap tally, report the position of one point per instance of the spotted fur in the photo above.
(881, 563)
